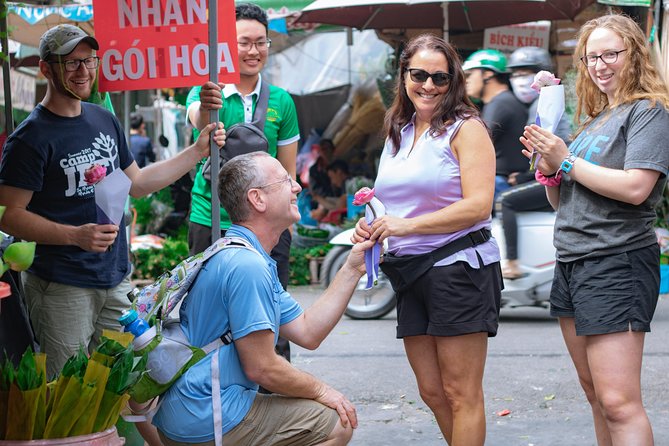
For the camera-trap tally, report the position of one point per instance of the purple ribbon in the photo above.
(372, 256)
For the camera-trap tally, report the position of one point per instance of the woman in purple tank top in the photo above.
(436, 179)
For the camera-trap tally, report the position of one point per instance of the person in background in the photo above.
(140, 144)
(505, 116)
(78, 284)
(605, 186)
(436, 179)
(239, 290)
(525, 193)
(335, 200)
(319, 181)
(236, 103)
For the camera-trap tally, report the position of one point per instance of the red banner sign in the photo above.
(147, 44)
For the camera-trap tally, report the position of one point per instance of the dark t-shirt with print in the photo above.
(48, 154)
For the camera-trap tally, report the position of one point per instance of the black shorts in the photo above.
(451, 300)
(608, 294)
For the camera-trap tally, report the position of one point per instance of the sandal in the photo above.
(512, 273)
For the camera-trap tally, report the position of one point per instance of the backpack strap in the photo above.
(260, 113)
(216, 401)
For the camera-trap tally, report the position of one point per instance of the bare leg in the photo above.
(449, 372)
(620, 418)
(576, 345)
(422, 354)
(462, 361)
(339, 436)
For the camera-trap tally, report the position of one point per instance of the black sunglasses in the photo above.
(439, 79)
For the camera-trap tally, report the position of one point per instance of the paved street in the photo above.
(528, 372)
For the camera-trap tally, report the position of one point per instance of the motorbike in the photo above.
(536, 255)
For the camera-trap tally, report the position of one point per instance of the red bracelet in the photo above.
(548, 181)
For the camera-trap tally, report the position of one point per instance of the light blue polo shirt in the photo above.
(239, 290)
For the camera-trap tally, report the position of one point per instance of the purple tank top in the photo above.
(424, 180)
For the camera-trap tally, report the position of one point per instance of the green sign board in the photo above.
(646, 3)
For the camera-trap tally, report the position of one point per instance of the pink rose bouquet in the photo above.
(94, 174)
(544, 79)
(365, 196)
(550, 105)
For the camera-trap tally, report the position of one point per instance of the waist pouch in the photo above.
(404, 270)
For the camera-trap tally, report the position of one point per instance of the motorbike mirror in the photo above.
(162, 139)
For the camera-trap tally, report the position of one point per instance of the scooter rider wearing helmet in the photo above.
(526, 194)
(487, 80)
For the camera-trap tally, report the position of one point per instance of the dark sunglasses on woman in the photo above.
(439, 79)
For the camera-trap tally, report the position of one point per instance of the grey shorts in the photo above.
(451, 300)
(276, 420)
(65, 317)
(608, 294)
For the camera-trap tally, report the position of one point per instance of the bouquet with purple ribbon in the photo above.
(550, 106)
(373, 209)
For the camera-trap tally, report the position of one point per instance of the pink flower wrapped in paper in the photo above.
(550, 106)
(111, 193)
(373, 209)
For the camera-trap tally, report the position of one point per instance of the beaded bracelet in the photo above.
(551, 181)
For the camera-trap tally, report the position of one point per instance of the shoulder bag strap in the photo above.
(261, 106)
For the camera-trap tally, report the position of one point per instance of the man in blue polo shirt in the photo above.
(239, 291)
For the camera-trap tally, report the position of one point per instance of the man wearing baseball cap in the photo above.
(78, 283)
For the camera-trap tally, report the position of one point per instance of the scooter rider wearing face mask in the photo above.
(487, 80)
(526, 194)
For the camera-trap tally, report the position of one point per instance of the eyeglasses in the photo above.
(260, 45)
(288, 179)
(74, 64)
(439, 79)
(590, 60)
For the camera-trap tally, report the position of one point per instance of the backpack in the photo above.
(243, 137)
(167, 348)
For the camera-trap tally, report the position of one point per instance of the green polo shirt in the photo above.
(281, 129)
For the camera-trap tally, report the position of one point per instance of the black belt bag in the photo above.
(405, 270)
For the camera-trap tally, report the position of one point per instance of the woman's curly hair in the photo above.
(639, 79)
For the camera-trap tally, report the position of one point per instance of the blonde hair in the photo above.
(638, 77)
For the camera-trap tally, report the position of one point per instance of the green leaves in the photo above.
(27, 377)
(76, 365)
(7, 375)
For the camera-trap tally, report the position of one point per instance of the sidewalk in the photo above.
(528, 372)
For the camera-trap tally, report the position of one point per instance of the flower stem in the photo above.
(372, 209)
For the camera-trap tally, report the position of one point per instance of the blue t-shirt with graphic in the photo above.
(236, 290)
(48, 154)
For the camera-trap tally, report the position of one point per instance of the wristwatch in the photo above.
(568, 163)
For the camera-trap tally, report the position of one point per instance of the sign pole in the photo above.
(9, 116)
(213, 117)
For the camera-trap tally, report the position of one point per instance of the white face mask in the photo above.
(522, 90)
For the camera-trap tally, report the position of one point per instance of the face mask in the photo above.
(522, 90)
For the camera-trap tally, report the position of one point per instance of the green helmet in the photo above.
(492, 60)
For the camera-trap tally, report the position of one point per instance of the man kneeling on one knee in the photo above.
(238, 290)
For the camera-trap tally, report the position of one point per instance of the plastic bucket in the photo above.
(664, 279)
(106, 438)
(353, 211)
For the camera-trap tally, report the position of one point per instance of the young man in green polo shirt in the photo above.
(236, 103)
